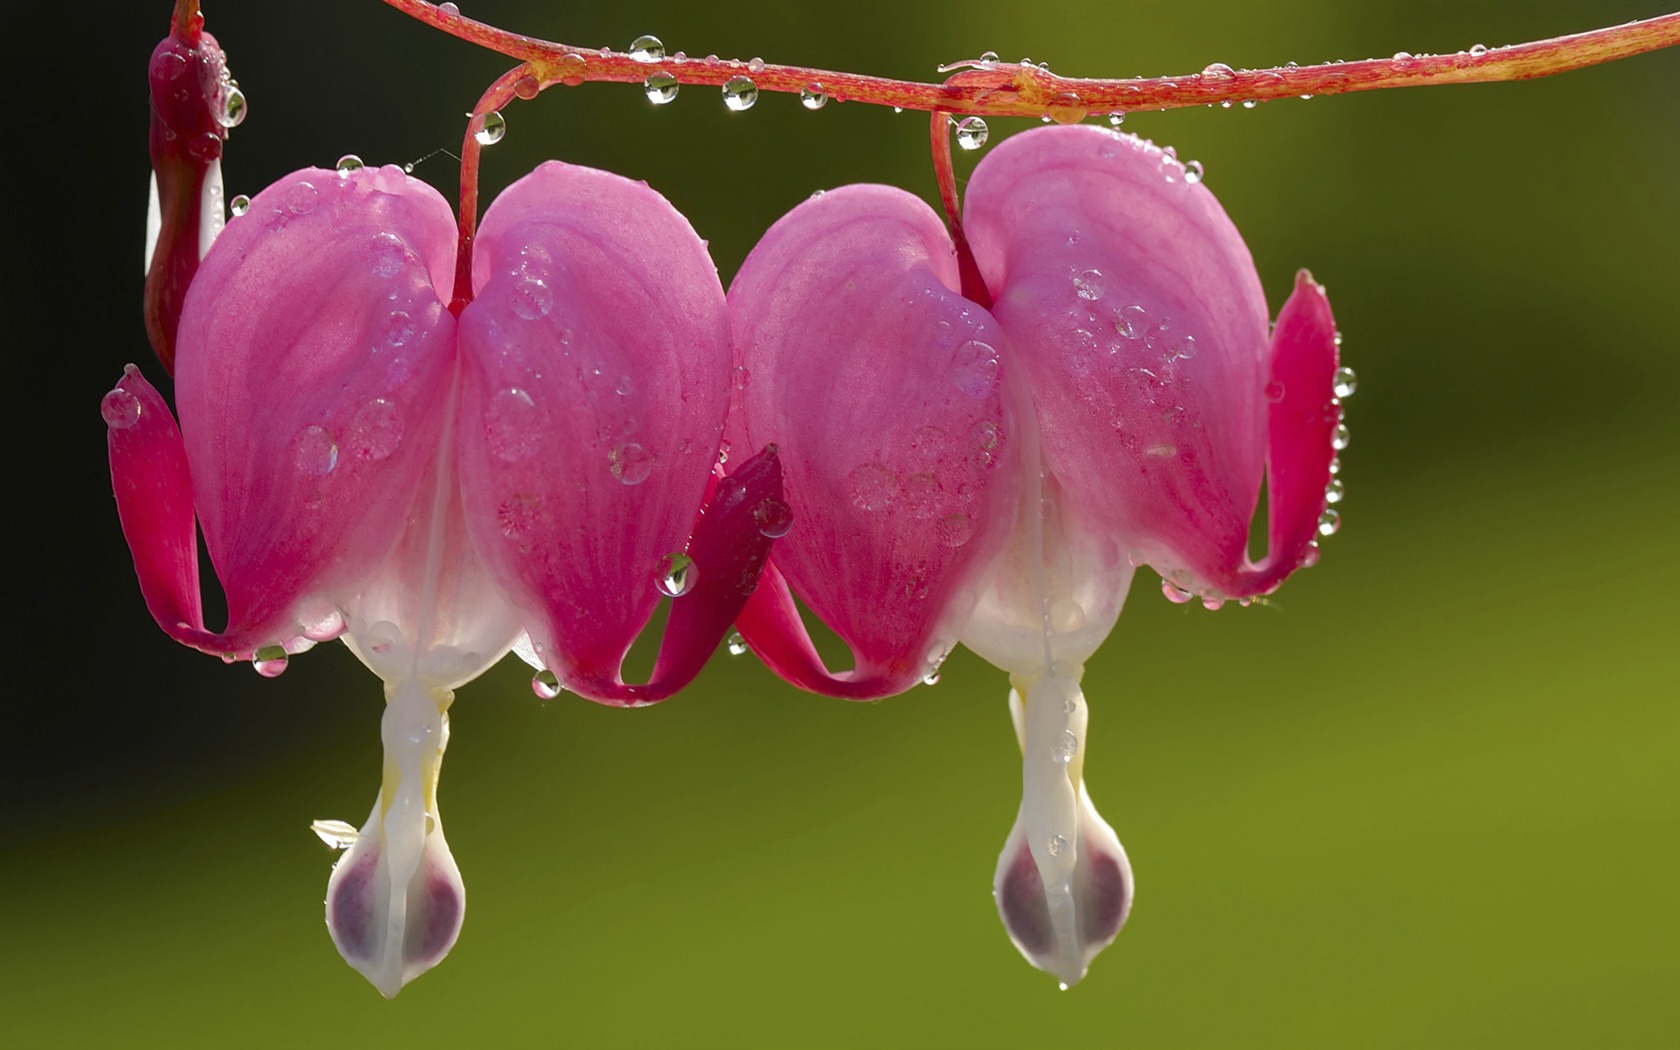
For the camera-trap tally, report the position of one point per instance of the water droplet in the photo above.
(573, 68)
(1087, 284)
(1274, 391)
(975, 368)
(1309, 557)
(493, 130)
(120, 408)
(773, 518)
(739, 377)
(1193, 172)
(660, 87)
(1183, 350)
(1219, 72)
(872, 486)
(675, 576)
(1335, 491)
(239, 205)
(269, 661)
(1346, 382)
(527, 87)
(510, 425)
(1066, 747)
(739, 93)
(335, 833)
(630, 463)
(1478, 50)
(1162, 451)
(1057, 845)
(1174, 593)
(1329, 523)
(1116, 119)
(387, 256)
(812, 96)
(320, 620)
(1067, 108)
(349, 164)
(736, 644)
(375, 430)
(1213, 603)
(972, 132)
(1066, 615)
(546, 684)
(1250, 103)
(300, 199)
(1339, 439)
(954, 530)
(532, 299)
(647, 49)
(1133, 323)
(231, 113)
(916, 587)
(449, 10)
(989, 60)
(931, 678)
(984, 434)
(315, 452)
(756, 65)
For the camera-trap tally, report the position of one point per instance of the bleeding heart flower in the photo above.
(991, 471)
(435, 489)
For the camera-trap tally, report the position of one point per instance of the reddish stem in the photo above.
(186, 23)
(497, 95)
(1021, 90)
(973, 285)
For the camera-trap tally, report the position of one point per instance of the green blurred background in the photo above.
(1428, 796)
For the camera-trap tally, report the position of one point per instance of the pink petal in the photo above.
(884, 390)
(1135, 309)
(592, 404)
(314, 370)
(154, 500)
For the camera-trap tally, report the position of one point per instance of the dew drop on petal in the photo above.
(1329, 523)
(348, 165)
(1116, 119)
(1174, 593)
(1309, 557)
(630, 463)
(739, 93)
(1346, 382)
(320, 620)
(532, 299)
(647, 48)
(660, 88)
(315, 452)
(387, 255)
(239, 205)
(300, 199)
(527, 87)
(1193, 172)
(1218, 72)
(773, 518)
(1339, 440)
(120, 408)
(1066, 615)
(1335, 491)
(736, 644)
(449, 9)
(493, 131)
(975, 368)
(954, 530)
(573, 68)
(812, 96)
(1057, 845)
(1478, 50)
(1087, 284)
(510, 425)
(872, 486)
(972, 133)
(269, 661)
(1274, 391)
(375, 430)
(676, 575)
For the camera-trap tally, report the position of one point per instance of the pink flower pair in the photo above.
(439, 482)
